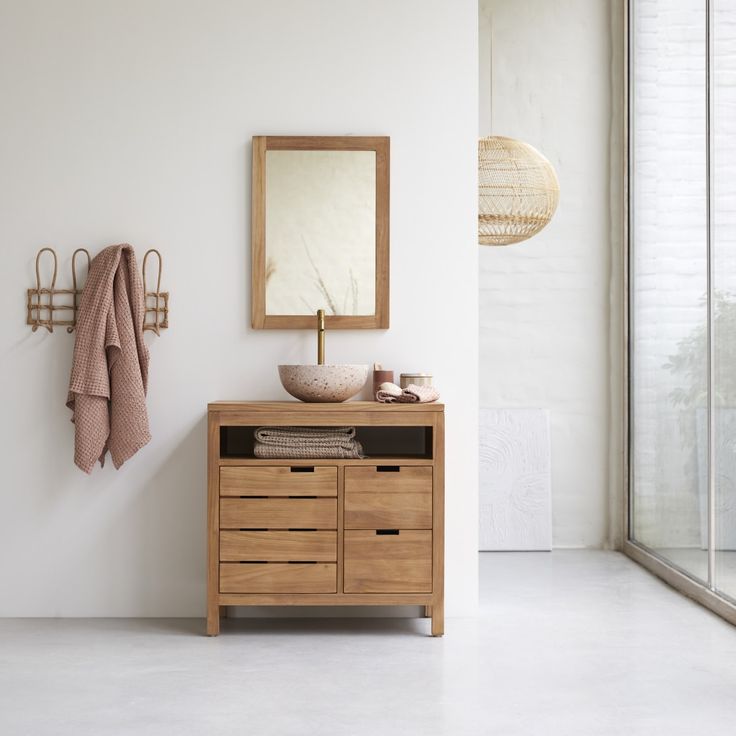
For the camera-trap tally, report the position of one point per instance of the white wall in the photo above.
(544, 304)
(131, 121)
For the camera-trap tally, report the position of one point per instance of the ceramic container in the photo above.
(418, 379)
(379, 377)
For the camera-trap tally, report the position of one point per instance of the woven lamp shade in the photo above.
(517, 191)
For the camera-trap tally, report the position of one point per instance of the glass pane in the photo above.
(723, 130)
(669, 282)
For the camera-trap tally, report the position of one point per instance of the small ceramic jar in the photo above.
(418, 379)
(379, 377)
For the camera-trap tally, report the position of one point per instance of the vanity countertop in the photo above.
(346, 406)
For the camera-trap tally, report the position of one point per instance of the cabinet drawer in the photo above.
(278, 577)
(398, 498)
(389, 478)
(388, 563)
(281, 480)
(269, 546)
(278, 513)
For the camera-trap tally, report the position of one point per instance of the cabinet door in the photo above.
(388, 496)
(388, 561)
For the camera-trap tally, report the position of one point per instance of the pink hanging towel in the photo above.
(107, 388)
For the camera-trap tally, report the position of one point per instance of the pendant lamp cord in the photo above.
(490, 74)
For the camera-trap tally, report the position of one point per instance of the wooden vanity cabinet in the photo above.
(326, 531)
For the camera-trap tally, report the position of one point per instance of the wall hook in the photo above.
(53, 309)
(160, 310)
(77, 292)
(37, 307)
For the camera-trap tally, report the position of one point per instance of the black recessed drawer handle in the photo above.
(393, 532)
(302, 469)
(388, 468)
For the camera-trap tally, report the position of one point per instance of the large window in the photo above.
(682, 285)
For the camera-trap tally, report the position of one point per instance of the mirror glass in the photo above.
(320, 232)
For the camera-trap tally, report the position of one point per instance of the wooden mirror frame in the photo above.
(261, 144)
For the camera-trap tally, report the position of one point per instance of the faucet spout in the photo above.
(320, 337)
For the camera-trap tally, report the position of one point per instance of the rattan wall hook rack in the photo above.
(50, 307)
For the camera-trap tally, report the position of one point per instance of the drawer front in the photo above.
(388, 563)
(400, 499)
(278, 577)
(281, 480)
(388, 510)
(278, 513)
(284, 546)
(389, 478)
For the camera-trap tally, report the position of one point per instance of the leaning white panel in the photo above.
(515, 480)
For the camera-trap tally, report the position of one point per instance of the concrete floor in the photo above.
(566, 643)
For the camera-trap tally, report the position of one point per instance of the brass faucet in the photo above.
(320, 337)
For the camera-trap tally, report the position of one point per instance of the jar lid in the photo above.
(417, 375)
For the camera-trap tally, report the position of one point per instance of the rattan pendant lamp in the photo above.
(517, 187)
(517, 191)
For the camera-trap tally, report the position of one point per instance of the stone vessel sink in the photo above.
(323, 383)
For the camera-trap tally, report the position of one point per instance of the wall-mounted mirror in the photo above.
(320, 231)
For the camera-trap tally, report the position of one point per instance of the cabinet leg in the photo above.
(427, 611)
(213, 620)
(438, 619)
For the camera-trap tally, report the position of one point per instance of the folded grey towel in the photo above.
(307, 452)
(306, 442)
(279, 435)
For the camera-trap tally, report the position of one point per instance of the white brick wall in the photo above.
(544, 304)
(546, 313)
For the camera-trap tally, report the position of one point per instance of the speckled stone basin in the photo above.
(328, 383)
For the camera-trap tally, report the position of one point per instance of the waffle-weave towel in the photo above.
(109, 378)
(412, 394)
(306, 442)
